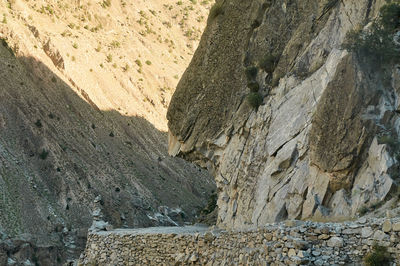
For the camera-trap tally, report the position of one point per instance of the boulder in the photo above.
(336, 242)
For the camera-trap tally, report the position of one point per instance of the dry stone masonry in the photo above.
(288, 243)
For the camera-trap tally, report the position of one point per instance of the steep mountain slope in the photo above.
(292, 125)
(83, 93)
(118, 55)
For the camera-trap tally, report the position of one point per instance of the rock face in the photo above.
(322, 143)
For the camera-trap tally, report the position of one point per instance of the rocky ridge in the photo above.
(322, 144)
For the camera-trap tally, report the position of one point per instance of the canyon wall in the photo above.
(322, 143)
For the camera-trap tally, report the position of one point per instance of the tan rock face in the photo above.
(313, 148)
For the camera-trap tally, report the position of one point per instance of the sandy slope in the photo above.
(126, 56)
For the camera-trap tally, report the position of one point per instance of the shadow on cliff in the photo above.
(59, 152)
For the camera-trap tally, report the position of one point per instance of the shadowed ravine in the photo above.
(58, 152)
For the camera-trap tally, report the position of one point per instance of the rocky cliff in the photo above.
(292, 125)
(84, 87)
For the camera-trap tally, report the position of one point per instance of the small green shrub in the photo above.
(253, 86)
(363, 210)
(5, 44)
(388, 140)
(43, 155)
(390, 16)
(106, 3)
(115, 44)
(215, 11)
(109, 58)
(268, 63)
(376, 43)
(254, 99)
(256, 24)
(251, 72)
(38, 123)
(125, 68)
(376, 205)
(138, 62)
(371, 207)
(378, 257)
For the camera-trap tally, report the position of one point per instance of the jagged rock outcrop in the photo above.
(322, 143)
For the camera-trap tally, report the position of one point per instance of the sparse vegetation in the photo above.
(377, 43)
(254, 99)
(371, 207)
(389, 140)
(105, 3)
(138, 62)
(38, 123)
(109, 58)
(215, 11)
(115, 44)
(5, 44)
(43, 155)
(378, 257)
(253, 86)
(363, 210)
(251, 72)
(390, 16)
(125, 68)
(268, 63)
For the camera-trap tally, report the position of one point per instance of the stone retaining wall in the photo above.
(290, 243)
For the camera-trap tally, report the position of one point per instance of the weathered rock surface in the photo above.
(314, 148)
